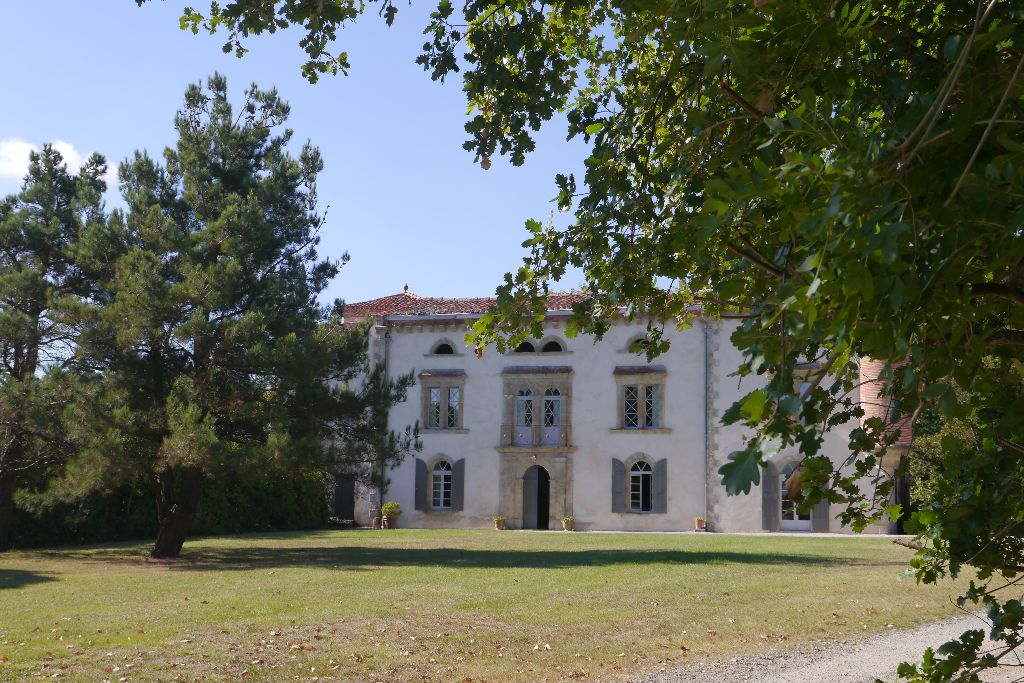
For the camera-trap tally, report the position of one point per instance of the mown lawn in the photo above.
(442, 605)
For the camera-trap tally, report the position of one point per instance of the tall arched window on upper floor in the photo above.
(551, 413)
(523, 428)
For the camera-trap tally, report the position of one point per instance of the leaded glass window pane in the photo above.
(651, 405)
(551, 412)
(453, 407)
(630, 407)
(524, 411)
(434, 409)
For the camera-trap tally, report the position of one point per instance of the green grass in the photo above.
(442, 605)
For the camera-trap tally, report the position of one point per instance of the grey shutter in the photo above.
(618, 485)
(770, 498)
(421, 484)
(819, 516)
(458, 480)
(661, 485)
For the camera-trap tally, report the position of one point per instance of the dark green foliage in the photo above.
(278, 502)
(264, 503)
(124, 514)
(936, 459)
(40, 277)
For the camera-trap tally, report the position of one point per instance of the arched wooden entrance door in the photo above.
(536, 497)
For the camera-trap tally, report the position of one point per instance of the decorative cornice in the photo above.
(429, 374)
(640, 370)
(537, 370)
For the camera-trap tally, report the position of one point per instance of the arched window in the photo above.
(637, 343)
(552, 346)
(551, 414)
(641, 487)
(441, 486)
(523, 431)
(443, 349)
(526, 347)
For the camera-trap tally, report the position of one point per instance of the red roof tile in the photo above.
(406, 303)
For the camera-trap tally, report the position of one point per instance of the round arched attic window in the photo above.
(552, 347)
(444, 349)
(526, 347)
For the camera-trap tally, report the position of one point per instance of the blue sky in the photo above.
(406, 201)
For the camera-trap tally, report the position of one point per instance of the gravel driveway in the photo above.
(847, 661)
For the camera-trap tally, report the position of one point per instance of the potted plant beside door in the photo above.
(699, 524)
(390, 513)
(499, 522)
(568, 523)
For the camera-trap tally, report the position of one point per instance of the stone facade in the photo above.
(619, 443)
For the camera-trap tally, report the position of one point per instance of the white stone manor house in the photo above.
(571, 426)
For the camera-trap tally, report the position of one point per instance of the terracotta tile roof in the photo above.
(407, 303)
(876, 405)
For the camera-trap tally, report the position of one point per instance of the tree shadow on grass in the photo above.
(16, 578)
(315, 550)
(364, 558)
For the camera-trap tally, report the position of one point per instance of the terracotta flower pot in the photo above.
(699, 525)
(390, 522)
(499, 525)
(568, 526)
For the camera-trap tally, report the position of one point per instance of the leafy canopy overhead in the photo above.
(845, 175)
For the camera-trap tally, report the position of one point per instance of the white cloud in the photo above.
(14, 159)
(72, 157)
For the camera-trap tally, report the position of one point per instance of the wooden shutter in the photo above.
(422, 485)
(618, 485)
(458, 483)
(770, 498)
(661, 485)
(819, 516)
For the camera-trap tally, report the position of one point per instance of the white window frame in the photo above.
(440, 476)
(638, 472)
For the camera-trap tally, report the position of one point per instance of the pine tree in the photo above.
(40, 228)
(211, 345)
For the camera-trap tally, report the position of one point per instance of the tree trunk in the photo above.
(176, 506)
(8, 482)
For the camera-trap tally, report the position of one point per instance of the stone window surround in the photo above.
(442, 379)
(630, 463)
(431, 464)
(444, 340)
(629, 342)
(537, 378)
(654, 463)
(642, 376)
(539, 344)
(458, 484)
